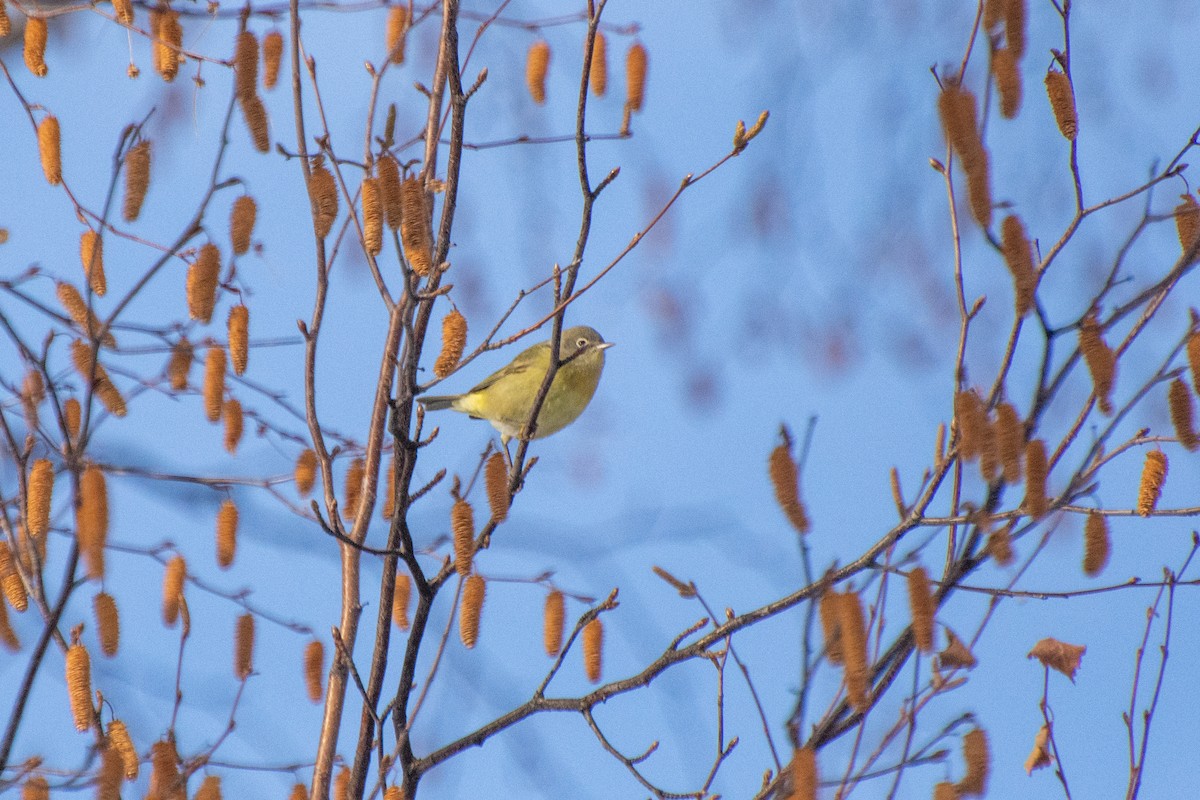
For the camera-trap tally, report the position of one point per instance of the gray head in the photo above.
(582, 338)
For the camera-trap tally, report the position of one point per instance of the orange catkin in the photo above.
(786, 481)
(118, 739)
(210, 788)
(397, 30)
(462, 525)
(552, 622)
(168, 34)
(1179, 399)
(831, 627)
(1018, 255)
(388, 490)
(5, 22)
(227, 525)
(1036, 469)
(1095, 544)
(245, 65)
(999, 545)
(124, 11)
(1154, 472)
(74, 304)
(7, 635)
(1014, 26)
(414, 227)
(272, 53)
(256, 121)
(1062, 103)
(635, 77)
(35, 47)
(993, 13)
(243, 647)
(91, 519)
(239, 338)
(36, 787)
(1007, 72)
(401, 600)
(496, 481)
(165, 782)
(241, 223)
(322, 190)
(299, 792)
(354, 482)
(234, 420)
(137, 178)
(1193, 357)
(173, 578)
(802, 772)
(1187, 226)
(1100, 359)
(956, 107)
(92, 370)
(853, 629)
(180, 364)
(389, 184)
(72, 416)
(372, 209)
(1010, 440)
(537, 64)
(91, 255)
(970, 415)
(977, 758)
(471, 610)
(593, 649)
(314, 668)
(454, 340)
(598, 77)
(306, 472)
(79, 685)
(214, 382)
(41, 488)
(10, 580)
(202, 279)
(108, 623)
(922, 607)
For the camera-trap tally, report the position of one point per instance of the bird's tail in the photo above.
(438, 402)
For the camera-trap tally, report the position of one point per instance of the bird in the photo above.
(505, 398)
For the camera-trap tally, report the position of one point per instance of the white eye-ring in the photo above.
(581, 343)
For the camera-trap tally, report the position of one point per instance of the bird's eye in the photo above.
(581, 343)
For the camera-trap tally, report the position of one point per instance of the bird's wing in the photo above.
(523, 362)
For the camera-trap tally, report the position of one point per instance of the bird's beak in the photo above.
(604, 345)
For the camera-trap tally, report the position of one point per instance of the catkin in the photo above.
(414, 227)
(168, 40)
(922, 606)
(971, 418)
(1095, 544)
(180, 364)
(471, 610)
(241, 223)
(1008, 81)
(956, 107)
(74, 304)
(202, 279)
(1010, 440)
(73, 416)
(91, 520)
(5, 22)
(999, 545)
(7, 635)
(306, 472)
(853, 629)
(1014, 26)
(388, 489)
(593, 649)
(299, 792)
(802, 772)
(10, 580)
(35, 47)
(1193, 357)
(1062, 103)
(227, 526)
(454, 340)
(91, 255)
(1036, 469)
(495, 475)
(635, 77)
(124, 11)
(256, 121)
(401, 599)
(41, 488)
(110, 775)
(1100, 359)
(354, 483)
(108, 623)
(36, 787)
(993, 13)
(1154, 472)
(173, 578)
(214, 382)
(79, 685)
(92, 370)
(210, 788)
(314, 668)
(397, 30)
(553, 617)
(243, 647)
(1180, 401)
(49, 142)
(323, 194)
(462, 524)
(372, 209)
(785, 479)
(1018, 255)
(389, 184)
(165, 783)
(1187, 226)
(245, 65)
(118, 740)
(239, 338)
(598, 77)
(137, 175)
(975, 754)
(33, 392)
(394, 793)
(272, 53)
(830, 627)
(537, 64)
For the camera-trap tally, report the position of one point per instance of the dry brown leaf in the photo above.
(1059, 655)
(1040, 757)
(956, 653)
